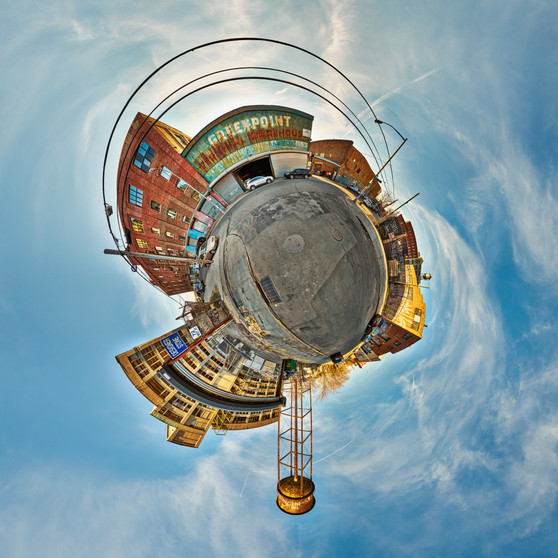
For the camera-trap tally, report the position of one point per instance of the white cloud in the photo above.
(471, 424)
(154, 308)
(56, 512)
(509, 178)
(459, 432)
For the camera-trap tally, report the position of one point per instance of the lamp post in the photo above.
(379, 122)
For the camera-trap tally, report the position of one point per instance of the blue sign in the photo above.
(195, 332)
(174, 345)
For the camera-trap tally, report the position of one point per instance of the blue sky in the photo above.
(448, 449)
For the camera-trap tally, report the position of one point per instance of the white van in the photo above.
(210, 248)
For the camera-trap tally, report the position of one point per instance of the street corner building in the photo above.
(286, 251)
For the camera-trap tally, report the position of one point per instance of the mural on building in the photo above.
(244, 133)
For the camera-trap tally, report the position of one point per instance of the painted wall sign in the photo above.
(198, 215)
(219, 198)
(247, 132)
(174, 345)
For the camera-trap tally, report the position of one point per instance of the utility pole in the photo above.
(392, 212)
(154, 256)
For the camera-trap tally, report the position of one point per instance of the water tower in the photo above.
(295, 489)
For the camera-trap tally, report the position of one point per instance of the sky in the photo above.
(448, 449)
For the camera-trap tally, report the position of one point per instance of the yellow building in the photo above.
(193, 384)
(399, 329)
(410, 314)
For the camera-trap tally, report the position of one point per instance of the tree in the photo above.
(328, 378)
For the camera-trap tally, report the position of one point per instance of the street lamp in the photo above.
(379, 122)
(388, 124)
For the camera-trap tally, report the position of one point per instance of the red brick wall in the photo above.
(412, 251)
(173, 279)
(396, 334)
(352, 163)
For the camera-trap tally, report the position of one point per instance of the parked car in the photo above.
(207, 250)
(300, 173)
(257, 181)
(336, 358)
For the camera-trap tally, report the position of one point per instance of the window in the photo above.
(169, 234)
(158, 249)
(137, 225)
(155, 230)
(407, 336)
(182, 184)
(165, 173)
(186, 219)
(170, 250)
(171, 213)
(182, 238)
(135, 196)
(155, 205)
(397, 343)
(196, 195)
(416, 319)
(144, 156)
(385, 337)
(141, 243)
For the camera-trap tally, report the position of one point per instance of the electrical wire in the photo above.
(222, 41)
(200, 47)
(241, 78)
(376, 157)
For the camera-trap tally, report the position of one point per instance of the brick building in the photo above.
(404, 327)
(158, 192)
(402, 318)
(342, 162)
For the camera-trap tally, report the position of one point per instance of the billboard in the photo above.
(247, 132)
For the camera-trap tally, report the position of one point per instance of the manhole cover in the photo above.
(294, 242)
(337, 234)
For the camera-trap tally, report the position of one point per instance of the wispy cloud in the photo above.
(366, 114)
(152, 307)
(457, 432)
(521, 193)
(54, 512)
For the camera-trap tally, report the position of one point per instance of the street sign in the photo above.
(174, 345)
(195, 332)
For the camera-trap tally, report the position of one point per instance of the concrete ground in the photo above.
(300, 267)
